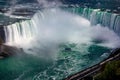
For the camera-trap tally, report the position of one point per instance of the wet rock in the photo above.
(7, 51)
(67, 49)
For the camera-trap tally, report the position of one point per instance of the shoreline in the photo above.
(95, 69)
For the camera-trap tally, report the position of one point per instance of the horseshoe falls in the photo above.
(59, 42)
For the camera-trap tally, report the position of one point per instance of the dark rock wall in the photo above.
(2, 33)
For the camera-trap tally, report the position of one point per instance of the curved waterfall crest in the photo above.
(110, 20)
(25, 31)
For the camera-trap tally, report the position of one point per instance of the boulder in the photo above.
(68, 49)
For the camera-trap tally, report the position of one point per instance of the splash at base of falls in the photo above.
(56, 44)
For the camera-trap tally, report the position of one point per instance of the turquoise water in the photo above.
(32, 67)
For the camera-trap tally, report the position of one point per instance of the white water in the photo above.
(19, 33)
(51, 27)
(110, 20)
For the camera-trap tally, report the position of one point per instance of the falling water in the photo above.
(19, 32)
(106, 19)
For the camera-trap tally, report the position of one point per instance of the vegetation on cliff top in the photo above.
(111, 71)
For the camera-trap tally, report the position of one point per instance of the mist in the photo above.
(55, 27)
(58, 26)
(52, 27)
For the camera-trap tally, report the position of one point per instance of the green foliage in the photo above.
(111, 71)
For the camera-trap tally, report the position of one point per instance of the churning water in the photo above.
(56, 43)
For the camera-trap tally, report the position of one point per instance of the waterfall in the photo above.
(19, 32)
(106, 19)
(27, 29)
(24, 31)
(110, 20)
(117, 25)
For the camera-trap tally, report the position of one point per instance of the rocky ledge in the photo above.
(7, 51)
